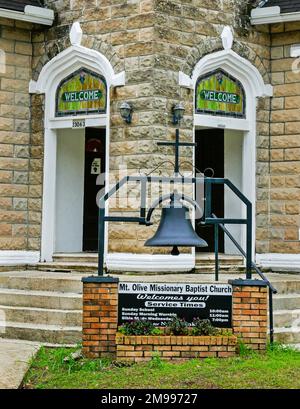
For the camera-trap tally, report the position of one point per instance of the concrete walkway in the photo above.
(15, 359)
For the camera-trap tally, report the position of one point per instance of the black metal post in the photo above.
(271, 323)
(101, 240)
(249, 243)
(143, 198)
(176, 169)
(207, 187)
(216, 231)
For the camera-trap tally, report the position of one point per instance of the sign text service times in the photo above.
(160, 302)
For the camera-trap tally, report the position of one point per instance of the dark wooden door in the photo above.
(209, 153)
(94, 165)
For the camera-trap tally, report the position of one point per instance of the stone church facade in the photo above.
(150, 53)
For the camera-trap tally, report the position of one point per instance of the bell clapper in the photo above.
(175, 251)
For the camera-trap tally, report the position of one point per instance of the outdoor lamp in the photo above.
(126, 112)
(178, 111)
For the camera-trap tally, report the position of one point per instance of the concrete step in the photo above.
(10, 267)
(287, 286)
(93, 258)
(223, 269)
(41, 282)
(40, 299)
(88, 262)
(92, 268)
(286, 301)
(287, 335)
(224, 259)
(41, 315)
(67, 267)
(286, 318)
(75, 258)
(53, 334)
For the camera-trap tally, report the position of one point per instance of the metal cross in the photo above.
(177, 145)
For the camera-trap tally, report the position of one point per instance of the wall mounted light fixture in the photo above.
(177, 111)
(126, 112)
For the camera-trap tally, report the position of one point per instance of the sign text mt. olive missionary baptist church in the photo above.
(161, 302)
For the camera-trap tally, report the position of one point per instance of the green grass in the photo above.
(279, 367)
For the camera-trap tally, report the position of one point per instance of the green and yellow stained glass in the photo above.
(83, 92)
(218, 93)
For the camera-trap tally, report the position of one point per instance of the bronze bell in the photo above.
(175, 229)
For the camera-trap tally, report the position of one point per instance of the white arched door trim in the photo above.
(56, 70)
(254, 87)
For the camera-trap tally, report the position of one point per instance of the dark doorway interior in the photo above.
(94, 165)
(209, 153)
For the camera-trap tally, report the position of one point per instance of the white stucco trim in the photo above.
(279, 261)
(31, 14)
(15, 257)
(271, 15)
(64, 64)
(90, 121)
(254, 87)
(71, 59)
(149, 263)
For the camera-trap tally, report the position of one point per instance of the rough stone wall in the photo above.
(284, 192)
(20, 200)
(152, 40)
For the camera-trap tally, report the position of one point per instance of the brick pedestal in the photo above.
(170, 347)
(249, 312)
(100, 317)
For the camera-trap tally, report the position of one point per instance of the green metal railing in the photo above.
(144, 218)
(272, 289)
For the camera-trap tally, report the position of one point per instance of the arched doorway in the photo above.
(72, 117)
(226, 135)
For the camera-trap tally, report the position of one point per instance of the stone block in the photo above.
(277, 154)
(292, 154)
(20, 204)
(287, 90)
(277, 78)
(19, 230)
(276, 52)
(278, 103)
(5, 229)
(285, 168)
(34, 244)
(15, 85)
(277, 129)
(13, 216)
(5, 176)
(15, 243)
(13, 137)
(24, 48)
(292, 207)
(6, 124)
(285, 115)
(20, 178)
(6, 97)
